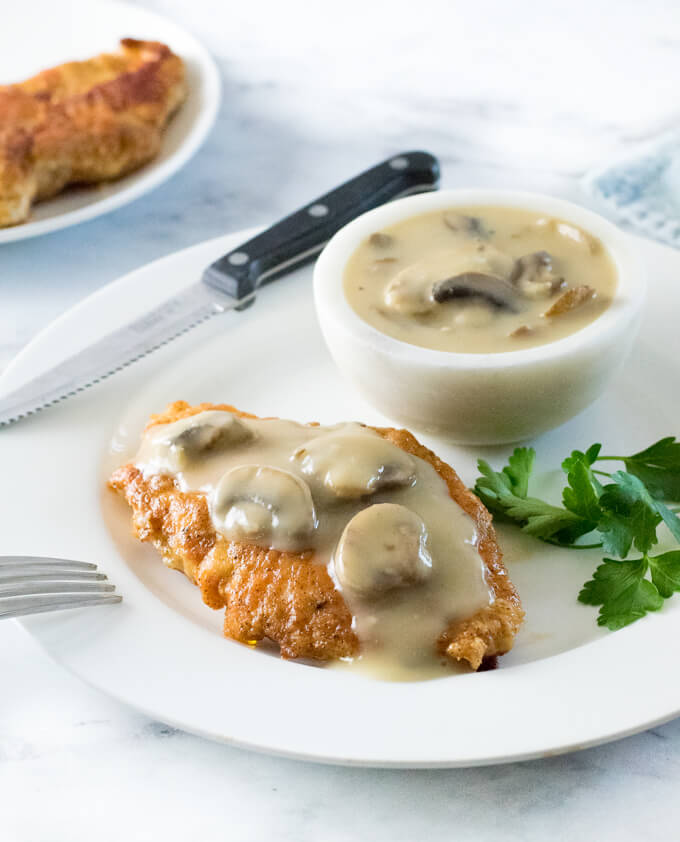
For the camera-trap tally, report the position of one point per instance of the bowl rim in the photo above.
(332, 304)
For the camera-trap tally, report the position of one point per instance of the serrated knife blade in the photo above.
(115, 351)
(231, 282)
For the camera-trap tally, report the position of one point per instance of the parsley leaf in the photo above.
(589, 457)
(632, 515)
(622, 592)
(658, 467)
(582, 496)
(519, 468)
(593, 453)
(551, 523)
(664, 453)
(669, 518)
(629, 516)
(504, 494)
(666, 572)
(626, 512)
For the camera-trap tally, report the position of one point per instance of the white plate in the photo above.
(37, 34)
(566, 685)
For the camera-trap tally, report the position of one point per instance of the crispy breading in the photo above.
(84, 122)
(281, 596)
(267, 593)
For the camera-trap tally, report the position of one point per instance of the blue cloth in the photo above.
(643, 191)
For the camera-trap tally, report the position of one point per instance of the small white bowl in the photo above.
(492, 398)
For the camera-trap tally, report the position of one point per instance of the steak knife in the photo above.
(229, 283)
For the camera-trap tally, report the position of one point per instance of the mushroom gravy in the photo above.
(480, 279)
(401, 551)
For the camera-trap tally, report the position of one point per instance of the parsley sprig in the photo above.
(618, 512)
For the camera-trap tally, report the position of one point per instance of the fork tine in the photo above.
(23, 561)
(22, 605)
(34, 585)
(9, 576)
(36, 588)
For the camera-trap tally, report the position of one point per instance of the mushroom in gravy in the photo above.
(480, 280)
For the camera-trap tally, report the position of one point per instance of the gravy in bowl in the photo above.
(480, 279)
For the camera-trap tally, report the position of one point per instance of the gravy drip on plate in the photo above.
(401, 551)
(480, 279)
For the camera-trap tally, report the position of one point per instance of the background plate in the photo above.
(566, 685)
(37, 34)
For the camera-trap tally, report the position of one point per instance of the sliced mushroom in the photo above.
(262, 505)
(410, 291)
(521, 332)
(382, 263)
(380, 240)
(355, 462)
(533, 275)
(473, 226)
(174, 446)
(494, 290)
(577, 235)
(382, 548)
(570, 300)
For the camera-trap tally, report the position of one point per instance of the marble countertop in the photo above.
(506, 94)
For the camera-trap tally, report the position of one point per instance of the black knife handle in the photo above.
(298, 238)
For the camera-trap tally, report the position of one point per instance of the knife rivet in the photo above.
(317, 210)
(238, 258)
(399, 163)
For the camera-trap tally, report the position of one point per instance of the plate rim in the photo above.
(33, 625)
(157, 171)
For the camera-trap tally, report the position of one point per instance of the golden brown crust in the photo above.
(266, 593)
(84, 122)
(281, 596)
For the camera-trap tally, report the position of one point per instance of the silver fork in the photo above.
(34, 585)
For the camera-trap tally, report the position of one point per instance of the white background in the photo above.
(506, 94)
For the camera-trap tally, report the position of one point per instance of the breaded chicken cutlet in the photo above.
(84, 122)
(282, 595)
